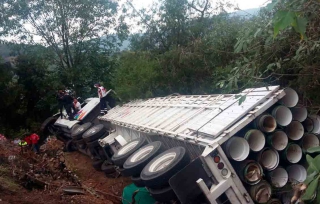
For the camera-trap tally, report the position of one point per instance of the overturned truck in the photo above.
(230, 148)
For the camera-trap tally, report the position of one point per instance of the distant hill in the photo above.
(246, 13)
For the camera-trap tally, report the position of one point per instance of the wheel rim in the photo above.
(128, 147)
(93, 130)
(162, 162)
(142, 153)
(79, 129)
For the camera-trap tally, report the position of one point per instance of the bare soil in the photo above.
(45, 169)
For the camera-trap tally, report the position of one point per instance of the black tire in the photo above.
(140, 158)
(44, 129)
(137, 181)
(75, 126)
(123, 172)
(94, 133)
(97, 163)
(96, 149)
(80, 130)
(165, 194)
(70, 146)
(107, 168)
(124, 152)
(156, 177)
(81, 144)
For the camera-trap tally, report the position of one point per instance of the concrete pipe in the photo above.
(299, 113)
(293, 153)
(256, 140)
(266, 123)
(268, 158)
(309, 140)
(278, 177)
(278, 140)
(237, 148)
(294, 130)
(312, 124)
(282, 115)
(261, 192)
(291, 98)
(250, 172)
(316, 123)
(297, 173)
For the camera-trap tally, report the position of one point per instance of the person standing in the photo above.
(68, 105)
(59, 98)
(76, 105)
(34, 139)
(102, 93)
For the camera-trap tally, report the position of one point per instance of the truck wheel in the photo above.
(139, 159)
(159, 170)
(81, 144)
(124, 152)
(80, 130)
(97, 163)
(94, 133)
(163, 195)
(107, 168)
(137, 181)
(47, 128)
(75, 126)
(70, 146)
(95, 149)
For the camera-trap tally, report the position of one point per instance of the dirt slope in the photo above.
(17, 169)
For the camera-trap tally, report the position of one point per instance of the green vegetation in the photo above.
(185, 46)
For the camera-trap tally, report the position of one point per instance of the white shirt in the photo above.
(102, 92)
(77, 106)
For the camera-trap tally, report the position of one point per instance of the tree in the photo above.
(28, 88)
(280, 46)
(185, 45)
(171, 23)
(72, 29)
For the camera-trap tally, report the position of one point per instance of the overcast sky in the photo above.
(243, 4)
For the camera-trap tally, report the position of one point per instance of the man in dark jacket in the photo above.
(59, 98)
(68, 105)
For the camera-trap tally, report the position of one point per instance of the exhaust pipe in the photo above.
(294, 130)
(261, 192)
(291, 98)
(255, 139)
(293, 153)
(299, 113)
(266, 123)
(297, 173)
(309, 140)
(278, 177)
(268, 158)
(250, 172)
(312, 124)
(237, 148)
(282, 115)
(278, 140)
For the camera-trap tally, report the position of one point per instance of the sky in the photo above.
(139, 4)
(243, 4)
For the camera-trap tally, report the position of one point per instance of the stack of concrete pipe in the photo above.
(269, 154)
